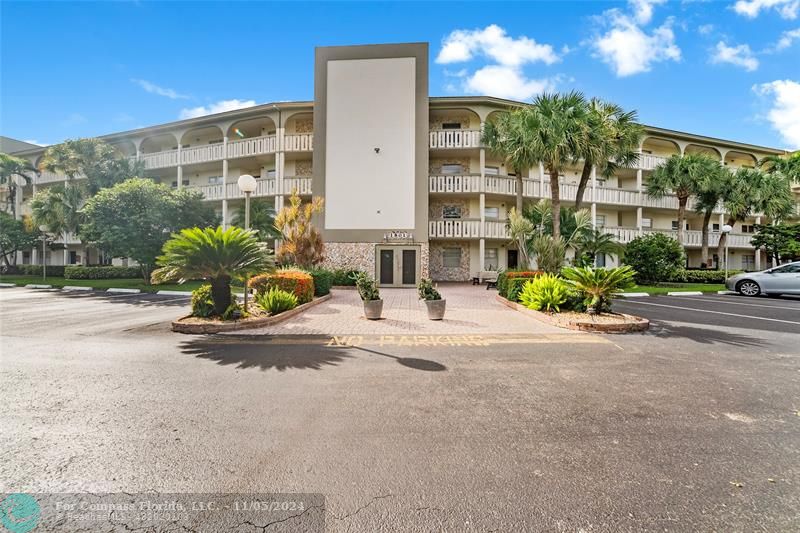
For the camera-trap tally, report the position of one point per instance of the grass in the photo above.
(126, 283)
(664, 288)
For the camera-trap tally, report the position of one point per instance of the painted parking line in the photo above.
(637, 302)
(459, 340)
(748, 304)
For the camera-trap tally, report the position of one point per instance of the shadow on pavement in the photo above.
(704, 335)
(144, 299)
(263, 354)
(410, 362)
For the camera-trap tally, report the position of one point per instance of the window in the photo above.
(647, 223)
(216, 141)
(748, 262)
(452, 168)
(748, 228)
(215, 180)
(675, 225)
(491, 212)
(787, 269)
(491, 171)
(271, 174)
(600, 220)
(600, 260)
(175, 184)
(451, 125)
(451, 258)
(26, 258)
(490, 259)
(451, 211)
(73, 257)
(715, 228)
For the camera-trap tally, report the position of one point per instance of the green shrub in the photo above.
(427, 291)
(323, 279)
(702, 276)
(544, 293)
(202, 304)
(655, 257)
(504, 282)
(36, 270)
(101, 272)
(233, 311)
(297, 282)
(276, 301)
(600, 285)
(367, 288)
(343, 277)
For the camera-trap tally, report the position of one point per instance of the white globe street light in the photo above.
(43, 229)
(247, 184)
(725, 229)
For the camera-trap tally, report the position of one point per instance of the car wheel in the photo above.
(748, 288)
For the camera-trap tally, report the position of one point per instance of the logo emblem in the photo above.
(19, 513)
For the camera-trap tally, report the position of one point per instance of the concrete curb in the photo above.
(727, 292)
(633, 294)
(128, 291)
(174, 293)
(218, 327)
(7, 285)
(34, 286)
(685, 293)
(76, 288)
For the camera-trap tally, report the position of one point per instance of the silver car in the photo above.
(782, 279)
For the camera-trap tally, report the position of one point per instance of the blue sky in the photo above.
(727, 69)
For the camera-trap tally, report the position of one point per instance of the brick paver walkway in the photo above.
(470, 310)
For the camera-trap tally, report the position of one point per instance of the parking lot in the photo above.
(694, 425)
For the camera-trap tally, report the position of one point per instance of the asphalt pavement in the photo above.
(692, 426)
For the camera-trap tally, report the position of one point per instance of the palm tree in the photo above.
(215, 255)
(520, 229)
(600, 284)
(557, 123)
(611, 141)
(507, 136)
(681, 175)
(708, 197)
(262, 219)
(596, 242)
(533, 233)
(13, 169)
(788, 166)
(58, 208)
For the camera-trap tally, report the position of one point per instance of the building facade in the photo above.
(409, 189)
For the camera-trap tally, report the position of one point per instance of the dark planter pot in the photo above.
(435, 309)
(373, 309)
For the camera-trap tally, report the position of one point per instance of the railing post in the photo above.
(225, 182)
(482, 207)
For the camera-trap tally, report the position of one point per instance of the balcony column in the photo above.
(594, 197)
(180, 167)
(225, 182)
(541, 179)
(758, 250)
(279, 167)
(482, 207)
(639, 220)
(481, 254)
(482, 161)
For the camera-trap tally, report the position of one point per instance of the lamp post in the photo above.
(726, 229)
(247, 184)
(43, 229)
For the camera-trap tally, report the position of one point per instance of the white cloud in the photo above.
(705, 29)
(493, 42)
(507, 82)
(787, 9)
(152, 88)
(787, 39)
(73, 119)
(643, 9)
(629, 49)
(784, 114)
(740, 55)
(216, 107)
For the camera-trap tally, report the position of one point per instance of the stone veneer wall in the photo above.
(361, 256)
(435, 123)
(303, 168)
(435, 165)
(435, 207)
(304, 125)
(437, 270)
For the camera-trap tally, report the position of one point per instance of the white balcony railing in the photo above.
(455, 139)
(650, 161)
(265, 187)
(300, 183)
(168, 158)
(299, 142)
(266, 144)
(691, 238)
(467, 229)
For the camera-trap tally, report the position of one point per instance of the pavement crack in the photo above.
(348, 515)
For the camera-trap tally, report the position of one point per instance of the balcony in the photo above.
(691, 238)
(467, 229)
(650, 161)
(439, 139)
(265, 187)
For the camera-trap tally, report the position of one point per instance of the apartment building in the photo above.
(409, 189)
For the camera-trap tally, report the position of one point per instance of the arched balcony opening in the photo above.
(736, 160)
(159, 143)
(299, 123)
(704, 150)
(251, 127)
(660, 147)
(202, 137)
(454, 128)
(124, 148)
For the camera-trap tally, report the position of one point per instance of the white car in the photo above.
(782, 279)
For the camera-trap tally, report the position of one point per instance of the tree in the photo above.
(215, 255)
(12, 171)
(135, 218)
(594, 243)
(93, 159)
(15, 236)
(748, 191)
(655, 257)
(681, 175)
(708, 194)
(301, 243)
(610, 141)
(600, 285)
(789, 166)
(262, 219)
(58, 208)
(781, 241)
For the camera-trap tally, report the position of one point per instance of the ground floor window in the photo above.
(490, 259)
(749, 262)
(26, 258)
(73, 257)
(600, 260)
(104, 258)
(451, 257)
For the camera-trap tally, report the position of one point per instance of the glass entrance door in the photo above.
(398, 266)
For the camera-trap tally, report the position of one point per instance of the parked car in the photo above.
(782, 279)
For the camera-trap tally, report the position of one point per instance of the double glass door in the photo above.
(398, 266)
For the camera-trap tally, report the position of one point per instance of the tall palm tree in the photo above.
(611, 141)
(215, 255)
(707, 197)
(262, 219)
(788, 166)
(49, 210)
(681, 175)
(12, 170)
(558, 123)
(507, 136)
(549, 251)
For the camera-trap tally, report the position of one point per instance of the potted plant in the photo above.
(433, 300)
(368, 290)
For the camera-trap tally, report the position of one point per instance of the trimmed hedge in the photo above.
(297, 282)
(510, 282)
(36, 270)
(703, 276)
(323, 279)
(343, 277)
(101, 272)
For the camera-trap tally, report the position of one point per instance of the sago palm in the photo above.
(14, 170)
(215, 255)
(600, 285)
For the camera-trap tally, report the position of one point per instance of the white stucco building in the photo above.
(409, 189)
